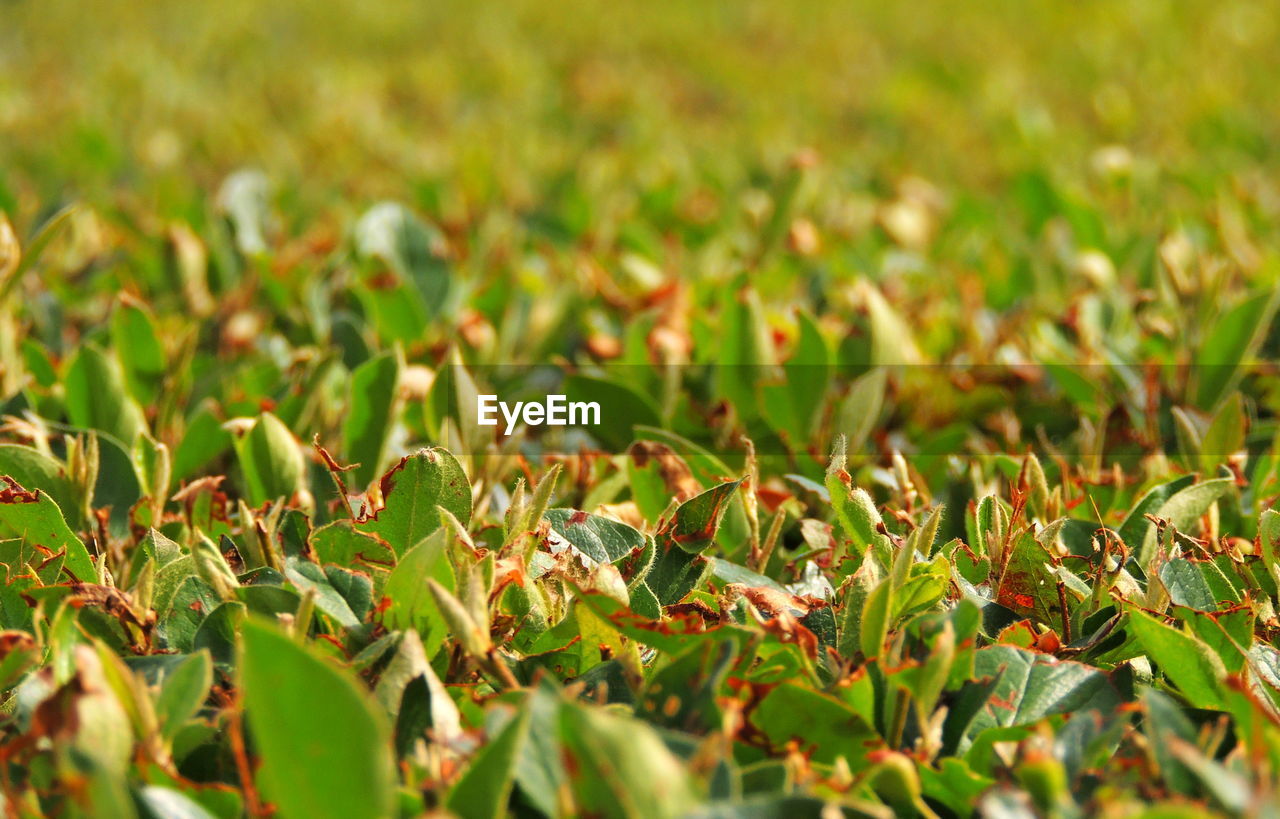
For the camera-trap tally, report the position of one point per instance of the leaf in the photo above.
(1230, 344)
(35, 518)
(411, 248)
(1186, 585)
(1165, 722)
(134, 338)
(876, 619)
(733, 573)
(1184, 508)
(790, 406)
(341, 544)
(308, 576)
(892, 341)
(540, 771)
(411, 603)
(18, 260)
(679, 565)
(618, 767)
(35, 470)
(355, 587)
(483, 790)
(602, 539)
(855, 511)
(324, 748)
(411, 491)
(1028, 584)
(1225, 434)
(656, 475)
(97, 397)
(219, 631)
(204, 440)
(1030, 686)
(193, 599)
(244, 199)
(184, 691)
(860, 410)
(271, 460)
(693, 527)
(622, 409)
(117, 486)
(1189, 663)
(1134, 529)
(416, 707)
(371, 416)
(822, 726)
(746, 356)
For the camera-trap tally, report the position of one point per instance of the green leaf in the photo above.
(307, 575)
(1031, 686)
(390, 232)
(35, 518)
(412, 606)
(411, 491)
(35, 470)
(1134, 529)
(192, 600)
(371, 416)
(679, 565)
(892, 340)
(1184, 508)
(1269, 536)
(341, 544)
(1028, 584)
(483, 791)
(1165, 722)
(602, 539)
(1186, 585)
(219, 631)
(325, 749)
(271, 460)
(184, 691)
(136, 342)
(204, 439)
(791, 406)
(409, 691)
(693, 527)
(656, 474)
(855, 511)
(48, 230)
(1225, 434)
(746, 359)
(618, 767)
(1230, 344)
(1190, 664)
(876, 619)
(860, 410)
(822, 726)
(622, 409)
(97, 397)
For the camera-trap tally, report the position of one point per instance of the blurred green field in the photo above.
(937, 349)
(473, 106)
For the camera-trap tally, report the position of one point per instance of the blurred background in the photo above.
(457, 106)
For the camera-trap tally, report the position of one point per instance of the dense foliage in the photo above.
(942, 437)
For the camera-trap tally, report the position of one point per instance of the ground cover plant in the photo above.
(934, 347)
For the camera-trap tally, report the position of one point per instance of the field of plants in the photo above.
(936, 358)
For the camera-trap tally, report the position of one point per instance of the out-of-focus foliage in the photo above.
(942, 475)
